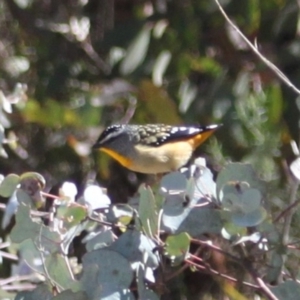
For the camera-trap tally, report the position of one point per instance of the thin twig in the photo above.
(215, 272)
(184, 267)
(9, 256)
(262, 285)
(17, 278)
(284, 212)
(268, 293)
(87, 47)
(253, 47)
(289, 215)
(19, 287)
(216, 248)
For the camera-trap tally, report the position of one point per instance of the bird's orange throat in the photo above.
(126, 162)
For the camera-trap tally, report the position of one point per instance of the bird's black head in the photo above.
(109, 134)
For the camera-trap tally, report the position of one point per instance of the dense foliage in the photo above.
(70, 68)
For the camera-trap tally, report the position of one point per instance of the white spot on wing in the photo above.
(193, 130)
(212, 126)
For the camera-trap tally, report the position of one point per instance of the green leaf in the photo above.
(159, 28)
(187, 93)
(58, 270)
(72, 214)
(30, 177)
(137, 51)
(177, 245)
(174, 181)
(180, 216)
(99, 240)
(33, 257)
(239, 172)
(275, 103)
(233, 229)
(251, 200)
(133, 245)
(147, 211)
(69, 295)
(143, 290)
(112, 267)
(33, 183)
(275, 265)
(24, 198)
(105, 272)
(43, 291)
(249, 219)
(289, 290)
(160, 67)
(9, 185)
(25, 228)
(238, 197)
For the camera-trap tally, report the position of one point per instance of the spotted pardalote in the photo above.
(152, 148)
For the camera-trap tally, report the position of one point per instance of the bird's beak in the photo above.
(97, 145)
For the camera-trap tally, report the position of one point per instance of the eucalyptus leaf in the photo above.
(27, 228)
(30, 177)
(249, 219)
(274, 266)
(69, 295)
(71, 214)
(204, 184)
(31, 258)
(112, 267)
(244, 200)
(239, 172)
(58, 270)
(180, 215)
(160, 66)
(106, 275)
(177, 245)
(99, 240)
(136, 51)
(11, 208)
(43, 291)
(289, 290)
(143, 291)
(147, 212)
(133, 245)
(172, 182)
(9, 185)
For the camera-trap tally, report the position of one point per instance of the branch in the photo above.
(209, 270)
(253, 47)
(284, 212)
(260, 283)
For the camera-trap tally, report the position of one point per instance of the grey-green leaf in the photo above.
(177, 245)
(58, 270)
(9, 185)
(289, 290)
(147, 211)
(160, 66)
(136, 51)
(249, 219)
(239, 172)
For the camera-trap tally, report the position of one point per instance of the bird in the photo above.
(152, 148)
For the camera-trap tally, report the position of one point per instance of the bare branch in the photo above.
(253, 47)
